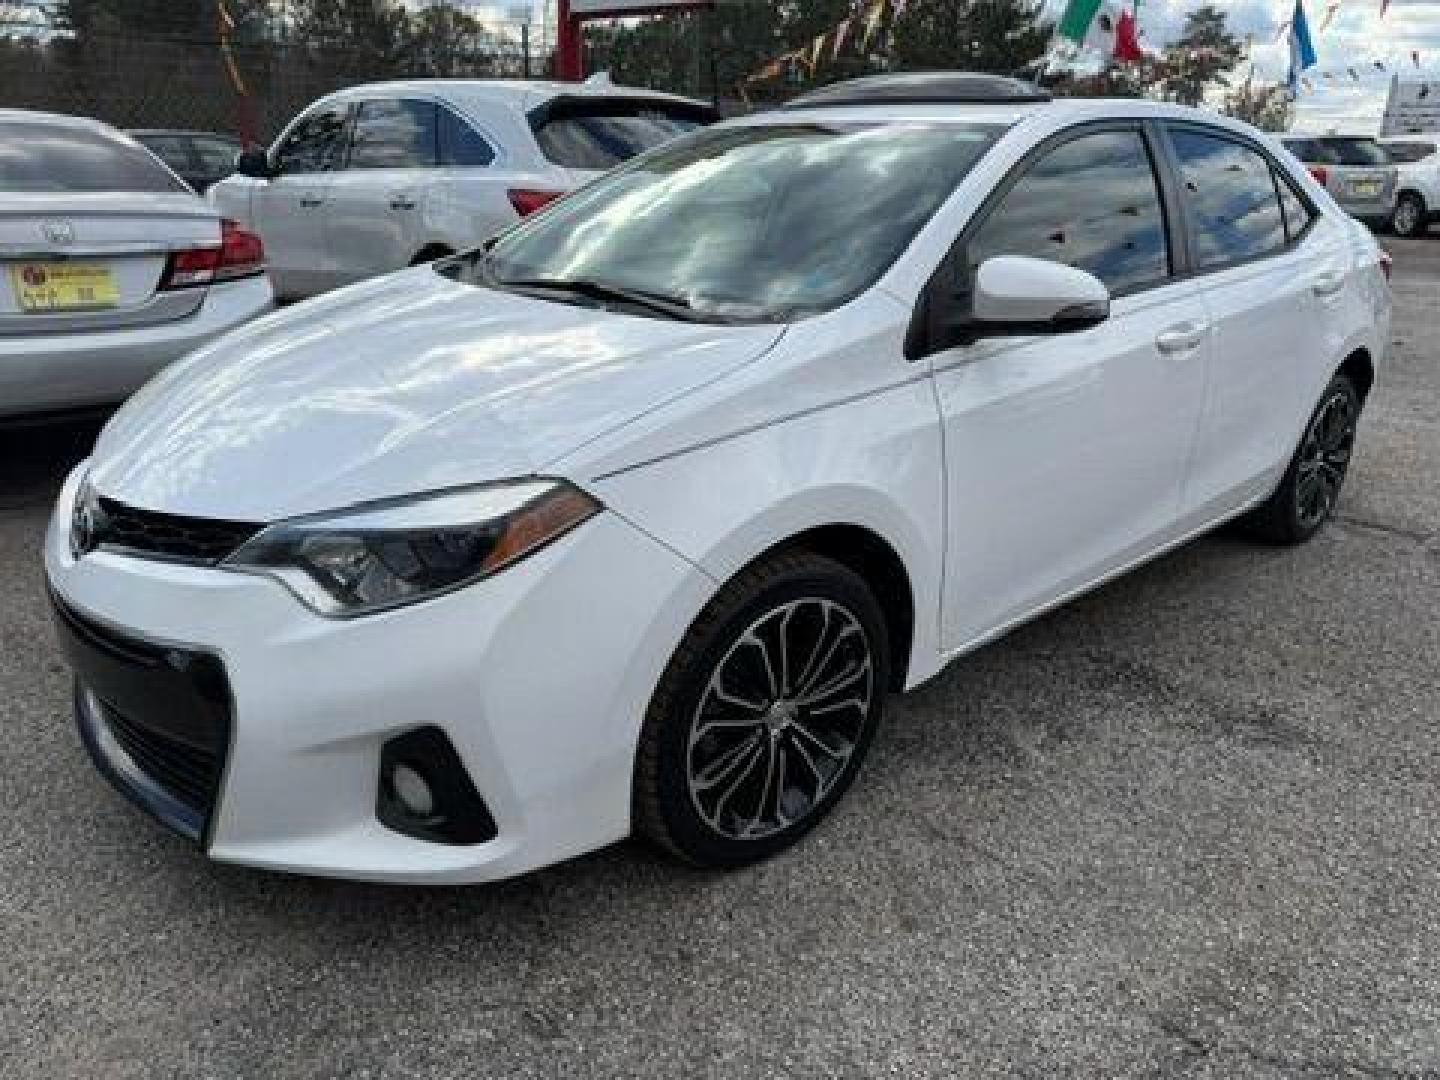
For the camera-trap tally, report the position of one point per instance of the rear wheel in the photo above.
(1410, 218)
(765, 713)
(1311, 486)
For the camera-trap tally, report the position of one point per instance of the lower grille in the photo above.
(186, 772)
(156, 718)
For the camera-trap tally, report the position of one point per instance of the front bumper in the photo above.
(539, 677)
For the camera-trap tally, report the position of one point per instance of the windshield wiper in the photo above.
(672, 307)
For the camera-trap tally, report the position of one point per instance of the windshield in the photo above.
(66, 157)
(758, 223)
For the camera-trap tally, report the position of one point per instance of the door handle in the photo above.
(311, 201)
(401, 203)
(1181, 338)
(1328, 284)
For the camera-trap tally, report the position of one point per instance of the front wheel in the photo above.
(765, 713)
(1410, 218)
(1311, 486)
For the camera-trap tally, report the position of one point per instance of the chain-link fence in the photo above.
(248, 90)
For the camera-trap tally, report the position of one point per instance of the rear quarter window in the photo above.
(62, 157)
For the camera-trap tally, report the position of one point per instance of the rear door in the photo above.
(88, 220)
(374, 214)
(288, 210)
(1270, 272)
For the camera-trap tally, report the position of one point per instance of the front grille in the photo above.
(186, 772)
(205, 541)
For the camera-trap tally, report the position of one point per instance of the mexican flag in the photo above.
(1102, 25)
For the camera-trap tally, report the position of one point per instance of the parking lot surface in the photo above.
(1187, 826)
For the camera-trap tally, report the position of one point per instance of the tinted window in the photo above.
(1357, 152)
(1310, 151)
(315, 143)
(602, 136)
(459, 143)
(750, 223)
(61, 157)
(174, 150)
(216, 156)
(1234, 208)
(394, 135)
(1297, 215)
(1091, 203)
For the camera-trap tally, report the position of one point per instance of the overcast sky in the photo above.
(1356, 37)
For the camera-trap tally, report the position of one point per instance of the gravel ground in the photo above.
(1186, 826)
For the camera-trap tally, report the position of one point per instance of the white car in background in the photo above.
(1417, 191)
(388, 175)
(632, 521)
(110, 267)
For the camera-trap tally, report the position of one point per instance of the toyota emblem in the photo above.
(58, 231)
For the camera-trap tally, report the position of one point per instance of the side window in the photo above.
(394, 135)
(1090, 203)
(460, 145)
(1234, 209)
(1297, 215)
(215, 155)
(315, 143)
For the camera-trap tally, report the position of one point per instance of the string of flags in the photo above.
(1107, 27)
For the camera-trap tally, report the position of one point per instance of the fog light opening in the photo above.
(426, 792)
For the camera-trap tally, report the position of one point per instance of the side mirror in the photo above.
(1015, 294)
(254, 162)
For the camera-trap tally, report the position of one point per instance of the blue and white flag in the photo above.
(1302, 51)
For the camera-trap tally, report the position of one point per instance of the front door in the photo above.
(1065, 454)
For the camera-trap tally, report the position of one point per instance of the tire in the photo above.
(1311, 486)
(1411, 216)
(740, 755)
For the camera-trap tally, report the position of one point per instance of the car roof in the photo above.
(524, 94)
(30, 116)
(186, 132)
(1058, 110)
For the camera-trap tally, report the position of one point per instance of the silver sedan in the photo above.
(110, 268)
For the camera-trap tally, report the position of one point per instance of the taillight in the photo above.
(1321, 174)
(240, 254)
(527, 200)
(1386, 264)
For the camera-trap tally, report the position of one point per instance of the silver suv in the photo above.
(1355, 169)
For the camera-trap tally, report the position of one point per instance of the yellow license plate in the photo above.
(1366, 191)
(63, 286)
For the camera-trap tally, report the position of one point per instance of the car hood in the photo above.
(407, 384)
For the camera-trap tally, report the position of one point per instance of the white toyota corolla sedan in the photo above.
(631, 521)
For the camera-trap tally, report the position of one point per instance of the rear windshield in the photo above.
(1406, 152)
(602, 134)
(59, 157)
(1355, 151)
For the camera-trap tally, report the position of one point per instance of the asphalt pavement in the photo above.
(1187, 826)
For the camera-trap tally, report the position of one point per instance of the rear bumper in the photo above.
(1373, 212)
(71, 371)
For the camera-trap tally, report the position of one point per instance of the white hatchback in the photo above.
(632, 522)
(387, 175)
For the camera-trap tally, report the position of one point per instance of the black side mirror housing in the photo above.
(254, 162)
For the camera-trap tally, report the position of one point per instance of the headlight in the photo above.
(383, 555)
